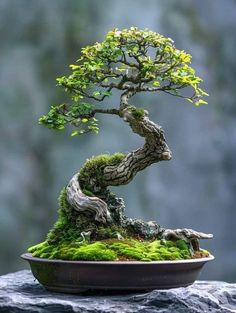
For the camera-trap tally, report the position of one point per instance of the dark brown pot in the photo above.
(80, 276)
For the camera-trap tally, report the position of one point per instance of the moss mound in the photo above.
(67, 240)
(94, 168)
(114, 250)
(70, 224)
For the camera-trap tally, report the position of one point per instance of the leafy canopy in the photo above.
(131, 61)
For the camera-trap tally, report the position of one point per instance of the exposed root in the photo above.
(80, 202)
(189, 235)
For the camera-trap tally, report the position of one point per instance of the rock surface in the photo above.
(20, 292)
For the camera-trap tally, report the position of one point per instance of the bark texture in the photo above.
(80, 202)
(154, 150)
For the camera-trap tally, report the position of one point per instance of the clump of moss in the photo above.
(94, 166)
(70, 224)
(109, 232)
(138, 112)
(79, 250)
(114, 250)
(96, 251)
(65, 227)
(128, 250)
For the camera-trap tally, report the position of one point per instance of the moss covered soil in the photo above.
(65, 240)
(115, 250)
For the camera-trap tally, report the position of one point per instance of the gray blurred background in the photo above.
(197, 189)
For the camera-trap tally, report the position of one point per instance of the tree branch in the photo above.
(106, 111)
(125, 97)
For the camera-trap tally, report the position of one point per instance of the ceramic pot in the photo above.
(80, 276)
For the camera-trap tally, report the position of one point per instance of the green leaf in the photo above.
(84, 120)
(156, 83)
(189, 100)
(74, 67)
(96, 93)
(107, 93)
(200, 101)
(93, 128)
(75, 133)
(132, 58)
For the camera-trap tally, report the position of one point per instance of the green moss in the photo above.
(111, 250)
(129, 250)
(109, 232)
(95, 252)
(138, 112)
(88, 193)
(154, 256)
(154, 245)
(168, 243)
(94, 166)
(205, 252)
(38, 247)
(64, 241)
(182, 245)
(69, 225)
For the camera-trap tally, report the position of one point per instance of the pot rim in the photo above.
(29, 257)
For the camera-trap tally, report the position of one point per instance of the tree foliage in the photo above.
(130, 61)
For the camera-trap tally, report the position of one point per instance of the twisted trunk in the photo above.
(154, 150)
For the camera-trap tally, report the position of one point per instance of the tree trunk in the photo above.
(154, 150)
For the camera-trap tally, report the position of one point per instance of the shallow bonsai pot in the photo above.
(81, 276)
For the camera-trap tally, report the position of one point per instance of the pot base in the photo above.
(129, 276)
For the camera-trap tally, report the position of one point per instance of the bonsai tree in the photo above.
(130, 61)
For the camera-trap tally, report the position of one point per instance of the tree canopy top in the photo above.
(128, 60)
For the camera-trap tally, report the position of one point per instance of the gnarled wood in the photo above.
(154, 150)
(189, 235)
(80, 202)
